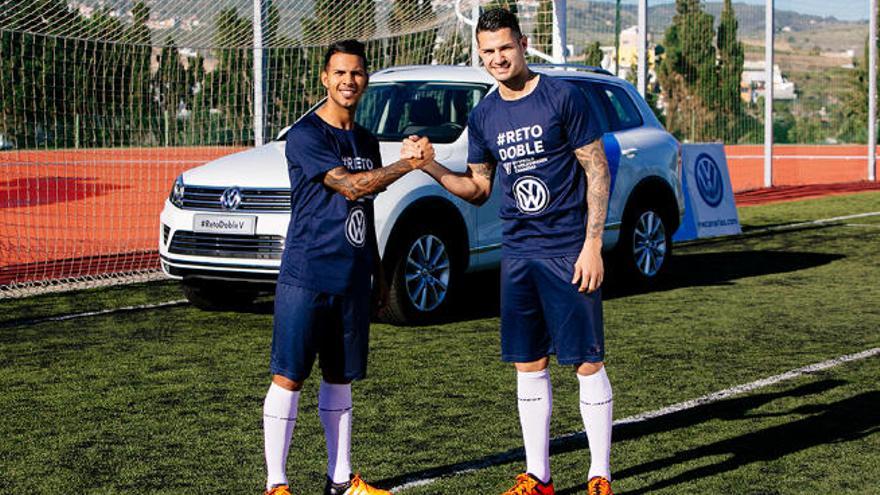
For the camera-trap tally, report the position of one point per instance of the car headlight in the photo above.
(176, 196)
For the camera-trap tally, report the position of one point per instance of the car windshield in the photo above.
(439, 111)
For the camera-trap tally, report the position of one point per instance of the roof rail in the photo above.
(586, 68)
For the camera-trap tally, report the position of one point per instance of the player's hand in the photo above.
(589, 269)
(419, 151)
(410, 149)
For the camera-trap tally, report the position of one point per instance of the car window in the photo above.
(439, 111)
(596, 104)
(623, 113)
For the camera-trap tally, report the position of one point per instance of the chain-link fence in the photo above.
(104, 102)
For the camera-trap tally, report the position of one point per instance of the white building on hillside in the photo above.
(753, 84)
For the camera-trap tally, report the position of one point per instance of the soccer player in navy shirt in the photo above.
(551, 165)
(322, 299)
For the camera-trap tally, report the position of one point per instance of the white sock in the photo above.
(334, 407)
(596, 410)
(279, 418)
(535, 403)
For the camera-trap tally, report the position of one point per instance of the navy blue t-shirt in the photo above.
(330, 241)
(532, 140)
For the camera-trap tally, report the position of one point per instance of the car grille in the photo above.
(261, 247)
(252, 200)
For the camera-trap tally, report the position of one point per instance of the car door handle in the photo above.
(630, 152)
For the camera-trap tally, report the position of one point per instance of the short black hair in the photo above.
(351, 47)
(498, 18)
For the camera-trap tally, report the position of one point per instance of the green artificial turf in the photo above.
(169, 400)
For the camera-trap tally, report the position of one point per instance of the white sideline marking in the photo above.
(777, 228)
(821, 221)
(682, 406)
(73, 316)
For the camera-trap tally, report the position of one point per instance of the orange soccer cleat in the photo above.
(526, 484)
(598, 485)
(356, 486)
(278, 490)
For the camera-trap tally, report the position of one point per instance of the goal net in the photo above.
(104, 102)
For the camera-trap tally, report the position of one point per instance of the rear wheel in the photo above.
(424, 274)
(218, 296)
(645, 244)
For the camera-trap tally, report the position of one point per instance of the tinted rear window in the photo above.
(623, 113)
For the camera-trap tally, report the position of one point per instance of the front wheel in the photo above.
(645, 245)
(424, 273)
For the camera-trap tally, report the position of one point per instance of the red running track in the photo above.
(75, 213)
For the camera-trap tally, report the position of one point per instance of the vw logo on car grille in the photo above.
(709, 181)
(231, 198)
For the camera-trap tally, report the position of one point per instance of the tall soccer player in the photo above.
(555, 181)
(322, 300)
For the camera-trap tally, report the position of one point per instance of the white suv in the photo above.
(223, 226)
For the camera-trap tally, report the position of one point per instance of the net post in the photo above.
(560, 28)
(258, 72)
(768, 95)
(643, 48)
(872, 94)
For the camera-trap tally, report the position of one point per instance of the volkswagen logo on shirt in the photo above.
(531, 195)
(231, 198)
(356, 227)
(709, 182)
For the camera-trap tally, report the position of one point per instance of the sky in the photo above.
(848, 10)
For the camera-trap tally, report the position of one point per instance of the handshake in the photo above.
(418, 151)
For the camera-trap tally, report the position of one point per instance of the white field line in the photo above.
(821, 221)
(681, 406)
(776, 228)
(73, 316)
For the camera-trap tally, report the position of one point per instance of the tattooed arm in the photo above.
(474, 185)
(595, 164)
(354, 185)
(589, 270)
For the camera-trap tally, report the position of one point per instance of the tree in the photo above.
(232, 84)
(730, 68)
(855, 105)
(412, 24)
(455, 47)
(542, 34)
(688, 74)
(140, 109)
(170, 85)
(502, 4)
(593, 54)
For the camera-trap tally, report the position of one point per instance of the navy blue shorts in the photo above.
(309, 324)
(543, 313)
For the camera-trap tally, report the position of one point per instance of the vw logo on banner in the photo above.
(709, 180)
(710, 206)
(356, 227)
(231, 198)
(531, 195)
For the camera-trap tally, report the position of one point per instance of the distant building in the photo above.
(629, 54)
(753, 83)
